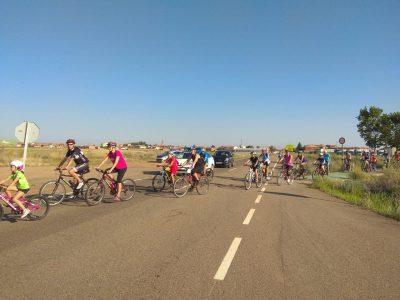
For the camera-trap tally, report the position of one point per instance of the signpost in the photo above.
(342, 140)
(26, 132)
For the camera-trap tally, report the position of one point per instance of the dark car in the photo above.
(223, 158)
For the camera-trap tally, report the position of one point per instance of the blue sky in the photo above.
(197, 72)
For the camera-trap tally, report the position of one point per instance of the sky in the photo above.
(197, 72)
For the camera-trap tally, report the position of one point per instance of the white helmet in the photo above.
(18, 164)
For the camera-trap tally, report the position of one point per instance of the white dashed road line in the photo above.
(226, 262)
(139, 179)
(249, 216)
(232, 169)
(258, 199)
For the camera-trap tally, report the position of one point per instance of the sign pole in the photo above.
(342, 158)
(25, 142)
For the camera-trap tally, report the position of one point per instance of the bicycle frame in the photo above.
(16, 209)
(61, 178)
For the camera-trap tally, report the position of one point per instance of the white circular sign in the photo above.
(342, 140)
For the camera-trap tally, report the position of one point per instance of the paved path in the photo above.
(287, 242)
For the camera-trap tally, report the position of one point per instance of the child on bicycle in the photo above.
(320, 162)
(264, 159)
(119, 166)
(171, 165)
(288, 163)
(302, 161)
(254, 163)
(19, 184)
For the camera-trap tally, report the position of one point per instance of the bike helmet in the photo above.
(70, 141)
(193, 147)
(253, 153)
(112, 144)
(17, 164)
(203, 150)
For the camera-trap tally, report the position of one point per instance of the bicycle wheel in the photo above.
(210, 174)
(82, 191)
(181, 186)
(158, 182)
(95, 193)
(291, 178)
(259, 181)
(39, 207)
(203, 186)
(247, 181)
(279, 178)
(128, 189)
(53, 192)
(1, 212)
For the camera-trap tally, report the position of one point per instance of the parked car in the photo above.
(163, 156)
(224, 158)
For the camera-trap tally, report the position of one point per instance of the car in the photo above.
(182, 157)
(163, 156)
(224, 158)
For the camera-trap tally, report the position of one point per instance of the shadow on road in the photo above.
(288, 194)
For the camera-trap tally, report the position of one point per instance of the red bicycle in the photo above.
(96, 191)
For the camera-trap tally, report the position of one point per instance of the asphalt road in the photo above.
(296, 243)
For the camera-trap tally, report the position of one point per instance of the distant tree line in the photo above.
(379, 129)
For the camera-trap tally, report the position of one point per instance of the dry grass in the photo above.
(51, 157)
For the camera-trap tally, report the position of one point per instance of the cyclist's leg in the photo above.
(19, 195)
(120, 176)
(77, 170)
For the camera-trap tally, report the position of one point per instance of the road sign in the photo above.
(26, 132)
(342, 140)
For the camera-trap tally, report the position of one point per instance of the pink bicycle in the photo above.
(38, 206)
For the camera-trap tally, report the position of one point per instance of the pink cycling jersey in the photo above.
(288, 160)
(121, 163)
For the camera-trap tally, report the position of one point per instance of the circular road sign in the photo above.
(342, 140)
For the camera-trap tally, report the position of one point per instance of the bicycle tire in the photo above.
(1, 212)
(181, 186)
(40, 213)
(210, 174)
(128, 189)
(53, 196)
(291, 179)
(85, 186)
(158, 182)
(259, 181)
(95, 193)
(203, 186)
(247, 181)
(279, 178)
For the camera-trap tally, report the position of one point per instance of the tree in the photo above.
(299, 147)
(394, 140)
(369, 126)
(272, 148)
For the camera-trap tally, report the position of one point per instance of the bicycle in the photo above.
(96, 191)
(300, 171)
(318, 171)
(266, 175)
(161, 179)
(348, 165)
(286, 175)
(251, 177)
(54, 190)
(38, 206)
(185, 183)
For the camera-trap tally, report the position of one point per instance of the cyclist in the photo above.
(264, 159)
(19, 184)
(386, 157)
(397, 157)
(373, 161)
(204, 155)
(288, 163)
(119, 166)
(171, 165)
(320, 162)
(365, 159)
(197, 166)
(347, 160)
(302, 161)
(327, 158)
(254, 163)
(81, 163)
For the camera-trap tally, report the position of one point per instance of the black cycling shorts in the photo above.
(82, 168)
(25, 191)
(121, 173)
(198, 169)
